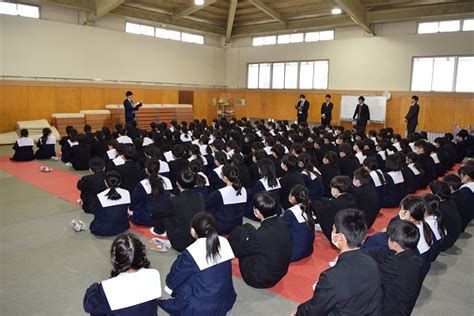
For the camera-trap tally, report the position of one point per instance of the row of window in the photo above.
(293, 38)
(289, 75)
(29, 11)
(147, 30)
(445, 26)
(444, 74)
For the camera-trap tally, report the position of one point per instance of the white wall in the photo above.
(356, 62)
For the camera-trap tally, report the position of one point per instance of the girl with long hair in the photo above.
(46, 145)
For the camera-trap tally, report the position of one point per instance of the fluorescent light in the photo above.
(336, 10)
(198, 2)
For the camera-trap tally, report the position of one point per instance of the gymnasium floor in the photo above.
(46, 266)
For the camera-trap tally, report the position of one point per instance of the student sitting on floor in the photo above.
(366, 195)
(415, 171)
(348, 162)
(46, 144)
(111, 153)
(179, 163)
(454, 183)
(329, 170)
(227, 204)
(149, 194)
(434, 218)
(80, 154)
(450, 215)
(312, 177)
(216, 176)
(174, 217)
(111, 208)
(91, 185)
(67, 143)
(133, 288)
(376, 177)
(352, 286)
(395, 183)
(23, 148)
(293, 176)
(202, 181)
(128, 168)
(200, 280)
(400, 268)
(300, 222)
(264, 253)
(426, 162)
(467, 188)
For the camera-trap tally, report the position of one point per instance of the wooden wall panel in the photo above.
(114, 95)
(464, 112)
(15, 101)
(92, 98)
(41, 102)
(169, 96)
(68, 100)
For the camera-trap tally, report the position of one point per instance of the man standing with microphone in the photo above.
(302, 108)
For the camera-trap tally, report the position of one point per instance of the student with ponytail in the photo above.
(293, 176)
(434, 218)
(133, 288)
(376, 177)
(200, 280)
(46, 145)
(149, 194)
(395, 186)
(300, 221)
(202, 181)
(216, 176)
(312, 177)
(228, 203)
(111, 208)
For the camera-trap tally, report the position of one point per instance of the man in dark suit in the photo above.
(352, 286)
(130, 107)
(361, 113)
(264, 253)
(400, 268)
(302, 108)
(366, 195)
(93, 184)
(326, 111)
(412, 116)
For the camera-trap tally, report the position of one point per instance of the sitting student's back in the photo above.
(93, 184)
(23, 147)
(366, 195)
(80, 154)
(46, 144)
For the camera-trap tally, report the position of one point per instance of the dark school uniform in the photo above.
(394, 189)
(452, 222)
(467, 190)
(437, 238)
(348, 164)
(381, 157)
(314, 183)
(79, 156)
(143, 203)
(287, 182)
(109, 155)
(99, 148)
(302, 236)
(23, 149)
(464, 208)
(127, 294)
(46, 149)
(378, 180)
(260, 186)
(439, 168)
(66, 146)
(428, 166)
(227, 208)
(129, 171)
(206, 188)
(90, 186)
(367, 201)
(110, 216)
(328, 172)
(264, 253)
(415, 175)
(201, 286)
(216, 178)
(176, 166)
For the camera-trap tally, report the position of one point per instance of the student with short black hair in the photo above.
(216, 176)
(205, 264)
(454, 183)
(133, 288)
(128, 168)
(426, 162)
(400, 268)
(46, 145)
(80, 154)
(178, 163)
(202, 184)
(366, 195)
(352, 286)
(376, 177)
(300, 222)
(23, 147)
(329, 169)
(467, 188)
(110, 208)
(91, 185)
(67, 143)
(264, 253)
(414, 171)
(348, 162)
(293, 176)
(395, 185)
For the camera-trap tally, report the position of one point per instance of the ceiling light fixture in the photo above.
(336, 10)
(198, 2)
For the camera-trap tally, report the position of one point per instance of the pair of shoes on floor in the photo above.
(78, 225)
(54, 158)
(161, 236)
(68, 164)
(159, 245)
(46, 169)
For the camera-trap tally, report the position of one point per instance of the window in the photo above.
(444, 74)
(296, 38)
(468, 25)
(288, 75)
(258, 41)
(160, 32)
(147, 30)
(192, 38)
(19, 9)
(132, 28)
(445, 26)
(311, 37)
(284, 39)
(293, 38)
(326, 35)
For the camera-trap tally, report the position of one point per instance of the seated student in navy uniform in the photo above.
(202, 184)
(80, 154)
(434, 218)
(366, 195)
(352, 286)
(23, 147)
(395, 183)
(200, 280)
(174, 217)
(326, 210)
(268, 183)
(264, 253)
(381, 156)
(348, 162)
(329, 169)
(91, 185)
(179, 162)
(149, 194)
(376, 177)
(133, 289)
(426, 162)
(110, 208)
(128, 168)
(400, 268)
(464, 145)
(464, 209)
(67, 143)
(440, 169)
(154, 152)
(216, 176)
(99, 145)
(111, 153)
(449, 214)
(467, 188)
(300, 222)
(414, 171)
(227, 204)
(46, 144)
(293, 176)
(313, 178)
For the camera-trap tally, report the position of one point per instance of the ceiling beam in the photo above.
(230, 19)
(166, 19)
(269, 11)
(357, 11)
(192, 9)
(465, 9)
(102, 7)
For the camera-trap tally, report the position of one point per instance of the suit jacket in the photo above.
(364, 115)
(327, 109)
(401, 279)
(303, 108)
(90, 186)
(129, 115)
(326, 210)
(412, 115)
(367, 201)
(351, 287)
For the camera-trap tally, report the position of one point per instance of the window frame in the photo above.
(26, 4)
(461, 25)
(333, 30)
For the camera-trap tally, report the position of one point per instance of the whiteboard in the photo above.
(377, 107)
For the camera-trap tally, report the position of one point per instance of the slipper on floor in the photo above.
(46, 169)
(156, 245)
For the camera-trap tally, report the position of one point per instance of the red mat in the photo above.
(295, 286)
